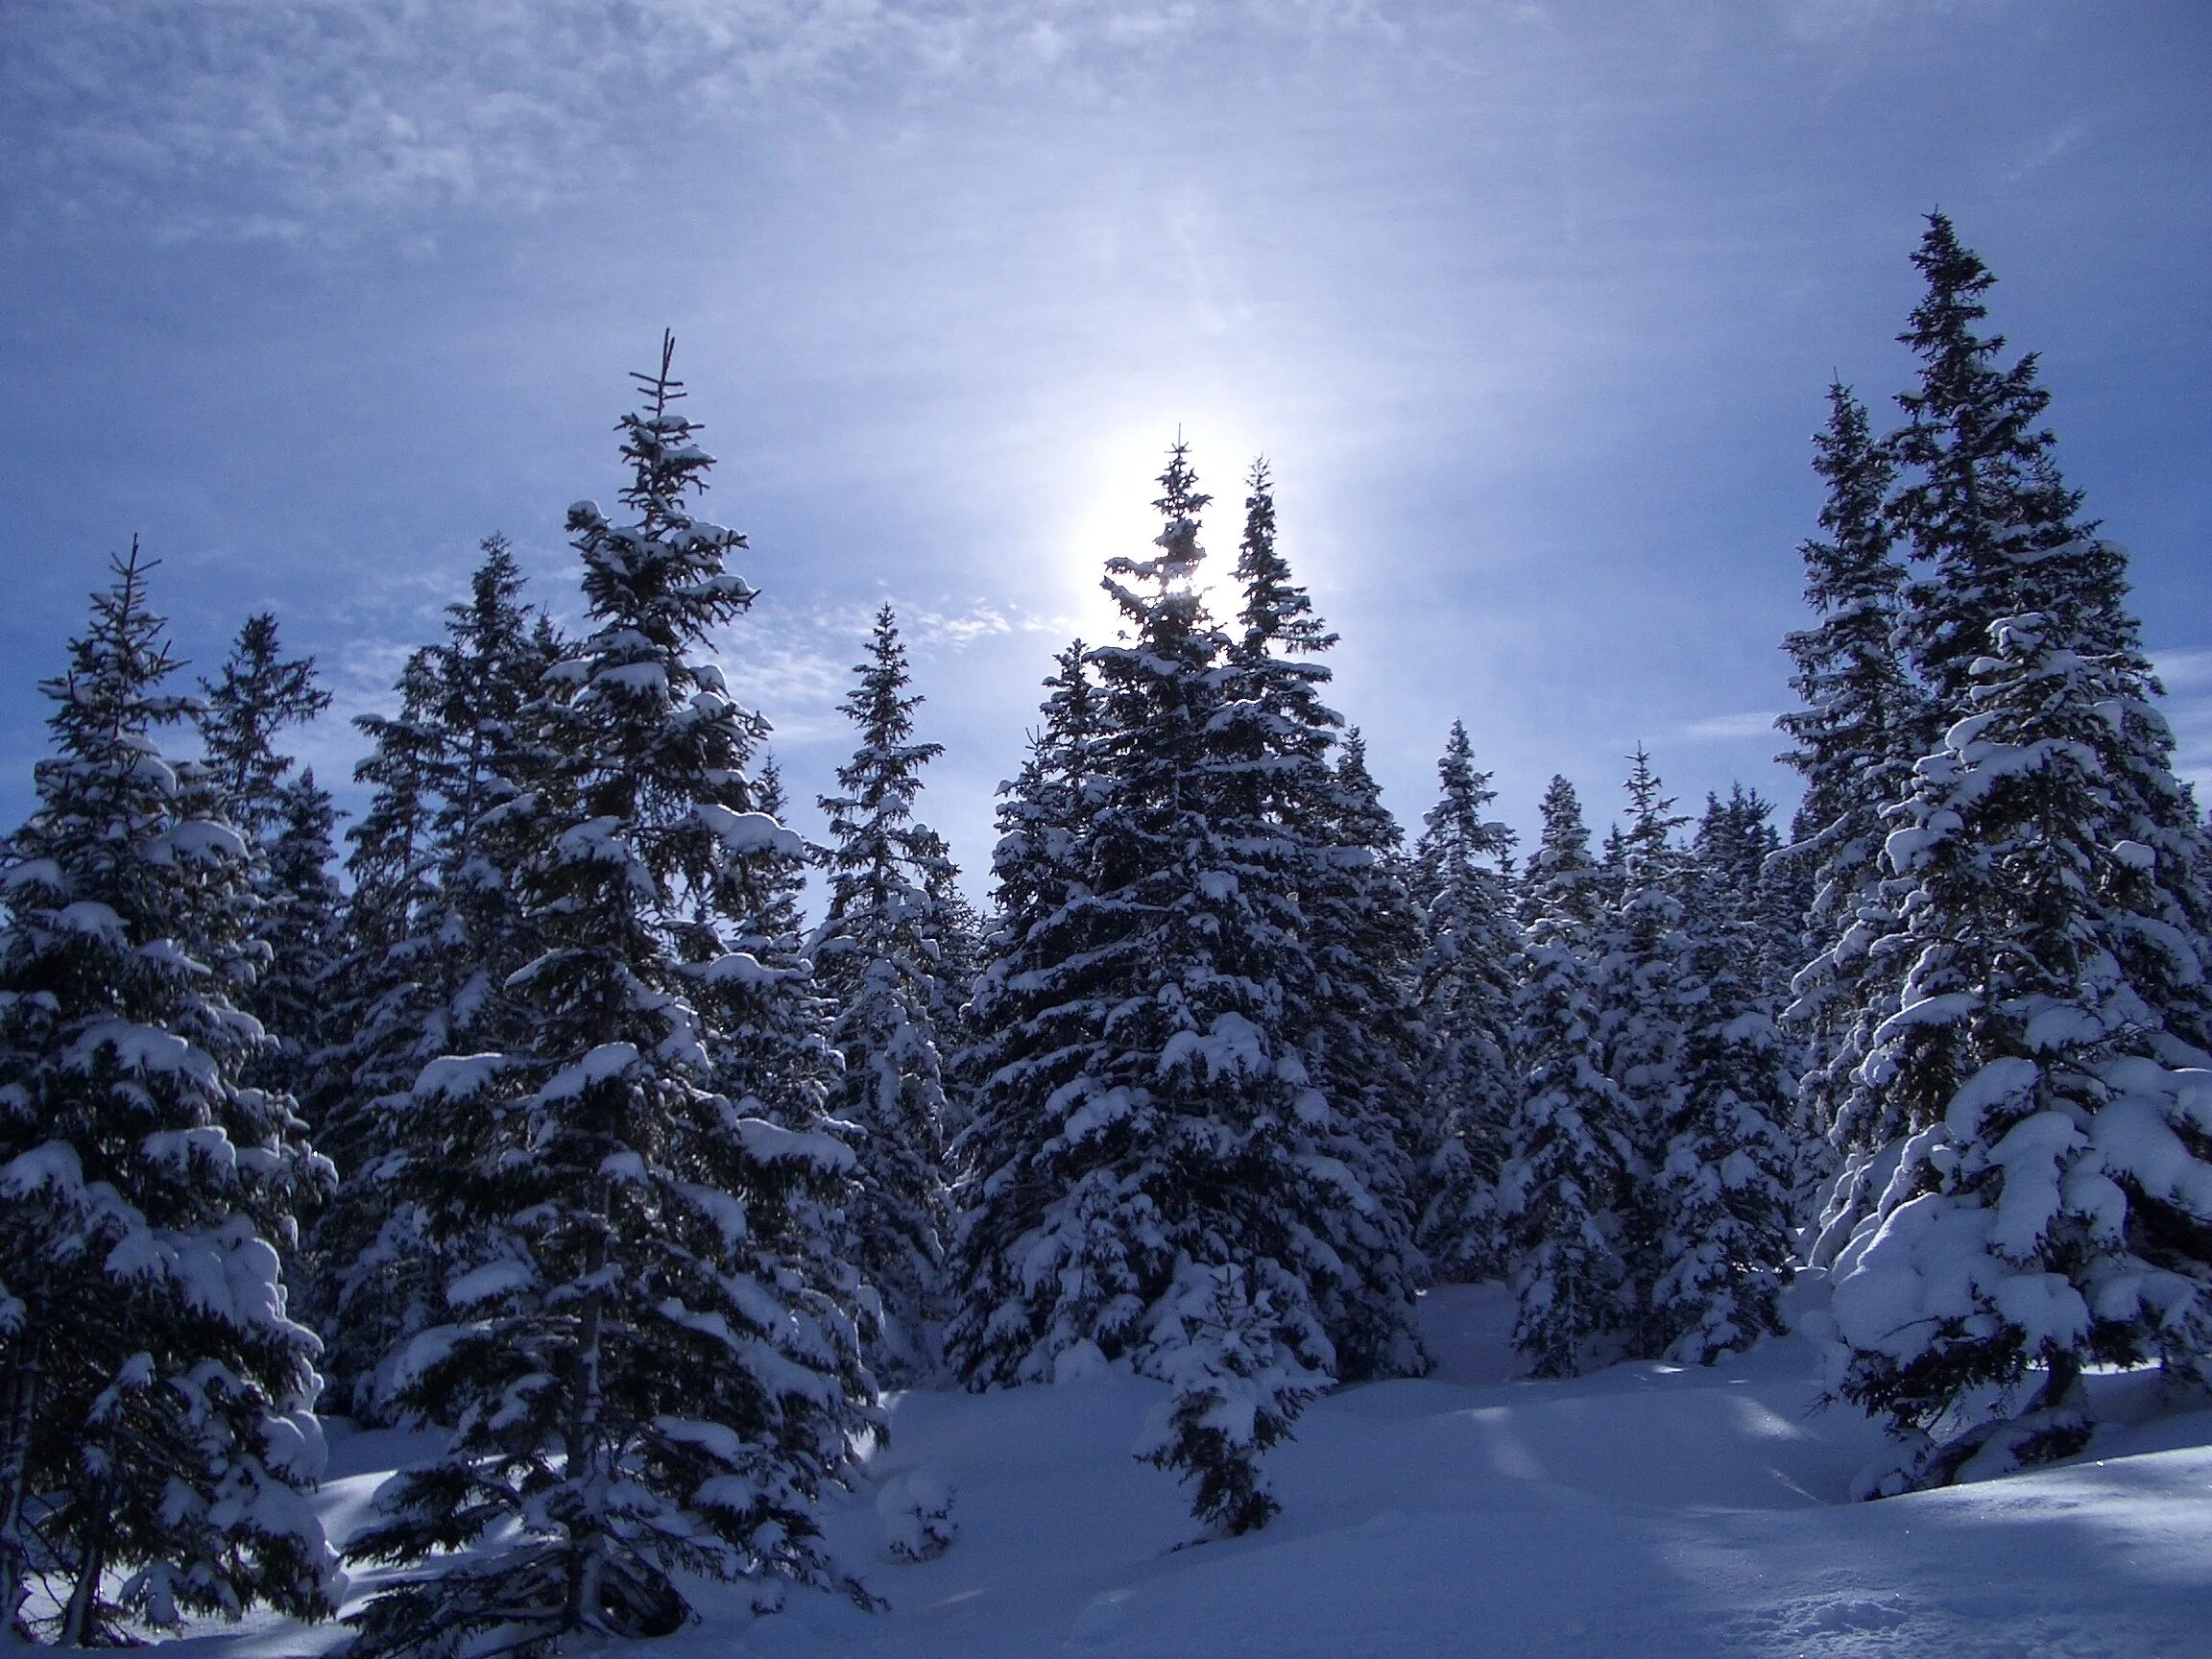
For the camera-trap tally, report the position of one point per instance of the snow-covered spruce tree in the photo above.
(1340, 1006)
(960, 957)
(1157, 1193)
(1464, 993)
(662, 1371)
(1859, 730)
(247, 708)
(878, 953)
(371, 1281)
(301, 921)
(492, 673)
(1737, 849)
(2051, 1202)
(778, 1054)
(1645, 987)
(1727, 1167)
(1569, 1156)
(257, 695)
(439, 930)
(156, 1433)
(1370, 934)
(1044, 816)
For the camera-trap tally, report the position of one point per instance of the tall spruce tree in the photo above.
(1370, 934)
(1647, 991)
(371, 1280)
(1727, 1161)
(438, 931)
(2051, 1201)
(292, 898)
(1860, 726)
(662, 1371)
(1043, 815)
(1571, 1155)
(1464, 993)
(301, 921)
(879, 953)
(155, 1431)
(1155, 1193)
(1340, 1005)
(780, 1055)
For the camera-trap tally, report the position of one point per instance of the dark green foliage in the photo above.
(655, 1368)
(157, 1437)
(880, 954)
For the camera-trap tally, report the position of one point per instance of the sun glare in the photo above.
(1116, 481)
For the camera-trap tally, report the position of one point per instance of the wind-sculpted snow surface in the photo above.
(1643, 1512)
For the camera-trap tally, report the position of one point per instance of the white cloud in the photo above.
(1750, 723)
(2187, 676)
(2050, 150)
(286, 118)
(2183, 671)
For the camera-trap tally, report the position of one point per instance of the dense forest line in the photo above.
(557, 1124)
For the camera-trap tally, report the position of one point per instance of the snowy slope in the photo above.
(1645, 1511)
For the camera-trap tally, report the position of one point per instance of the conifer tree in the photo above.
(2052, 1193)
(491, 675)
(292, 901)
(1464, 992)
(1042, 817)
(1645, 989)
(371, 1279)
(1571, 1156)
(1861, 724)
(1727, 1161)
(156, 1429)
(1369, 935)
(1045, 816)
(439, 930)
(301, 921)
(879, 953)
(1339, 1007)
(1155, 1193)
(660, 1371)
(257, 696)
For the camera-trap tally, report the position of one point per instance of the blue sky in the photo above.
(1532, 306)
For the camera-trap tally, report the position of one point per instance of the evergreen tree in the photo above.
(301, 921)
(1728, 1162)
(257, 697)
(1570, 1153)
(780, 1055)
(372, 1280)
(1465, 991)
(439, 930)
(661, 1372)
(1369, 934)
(1155, 1193)
(292, 901)
(155, 1432)
(1645, 990)
(1340, 1006)
(879, 953)
(1862, 723)
(1043, 815)
(2048, 1207)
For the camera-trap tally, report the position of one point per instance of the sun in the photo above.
(1113, 483)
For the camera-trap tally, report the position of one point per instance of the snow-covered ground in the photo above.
(1644, 1511)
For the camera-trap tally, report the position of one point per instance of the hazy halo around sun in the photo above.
(1114, 481)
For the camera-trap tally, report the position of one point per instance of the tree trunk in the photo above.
(586, 1543)
(19, 1391)
(79, 1626)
